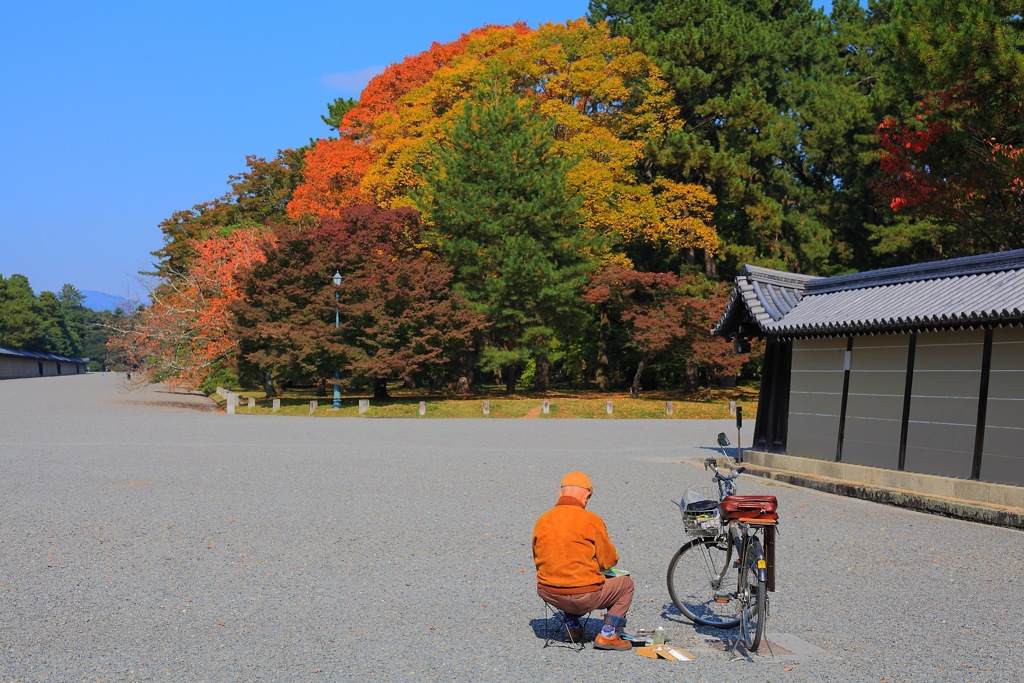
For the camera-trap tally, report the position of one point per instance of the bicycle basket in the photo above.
(700, 513)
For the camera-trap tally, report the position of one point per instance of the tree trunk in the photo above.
(604, 334)
(634, 389)
(692, 378)
(270, 387)
(710, 267)
(380, 389)
(510, 379)
(467, 362)
(321, 390)
(541, 376)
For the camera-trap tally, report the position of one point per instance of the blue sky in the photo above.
(115, 114)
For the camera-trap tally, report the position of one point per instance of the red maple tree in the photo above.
(949, 163)
(662, 318)
(188, 328)
(396, 312)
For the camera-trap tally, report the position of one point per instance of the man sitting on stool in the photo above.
(570, 548)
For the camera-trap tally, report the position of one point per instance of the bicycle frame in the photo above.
(742, 536)
(746, 543)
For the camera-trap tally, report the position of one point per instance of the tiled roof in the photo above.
(38, 354)
(963, 292)
(761, 296)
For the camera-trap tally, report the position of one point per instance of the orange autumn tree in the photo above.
(187, 329)
(331, 181)
(334, 168)
(609, 111)
(608, 108)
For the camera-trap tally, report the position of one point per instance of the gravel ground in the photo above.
(146, 537)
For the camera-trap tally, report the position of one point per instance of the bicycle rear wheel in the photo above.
(753, 598)
(697, 584)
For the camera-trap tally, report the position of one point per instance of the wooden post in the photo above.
(668, 407)
(312, 407)
(487, 407)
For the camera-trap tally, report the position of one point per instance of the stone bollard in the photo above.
(545, 407)
(230, 406)
(668, 407)
(423, 407)
(608, 407)
(220, 391)
(277, 405)
(487, 407)
(732, 408)
(252, 403)
(312, 407)
(364, 405)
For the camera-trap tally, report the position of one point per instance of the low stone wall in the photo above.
(962, 498)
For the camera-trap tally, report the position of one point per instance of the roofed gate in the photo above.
(917, 368)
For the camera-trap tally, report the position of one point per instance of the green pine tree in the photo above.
(503, 219)
(770, 111)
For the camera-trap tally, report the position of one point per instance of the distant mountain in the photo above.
(101, 301)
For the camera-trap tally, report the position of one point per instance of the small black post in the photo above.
(979, 433)
(739, 427)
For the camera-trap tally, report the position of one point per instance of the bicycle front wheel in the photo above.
(753, 599)
(696, 582)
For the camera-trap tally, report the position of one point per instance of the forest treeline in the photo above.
(57, 323)
(569, 203)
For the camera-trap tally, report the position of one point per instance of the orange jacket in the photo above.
(570, 548)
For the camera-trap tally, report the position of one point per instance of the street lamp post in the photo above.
(337, 370)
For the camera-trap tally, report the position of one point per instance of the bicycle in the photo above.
(744, 525)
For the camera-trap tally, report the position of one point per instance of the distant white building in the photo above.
(15, 364)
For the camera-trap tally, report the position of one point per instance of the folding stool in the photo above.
(557, 634)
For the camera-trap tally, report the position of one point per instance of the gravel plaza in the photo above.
(145, 536)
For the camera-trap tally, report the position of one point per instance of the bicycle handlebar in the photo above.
(713, 465)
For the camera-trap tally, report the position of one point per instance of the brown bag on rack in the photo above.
(753, 508)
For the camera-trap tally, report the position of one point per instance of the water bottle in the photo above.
(659, 636)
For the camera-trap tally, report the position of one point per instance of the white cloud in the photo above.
(351, 82)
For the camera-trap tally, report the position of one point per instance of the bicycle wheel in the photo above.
(697, 583)
(753, 598)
